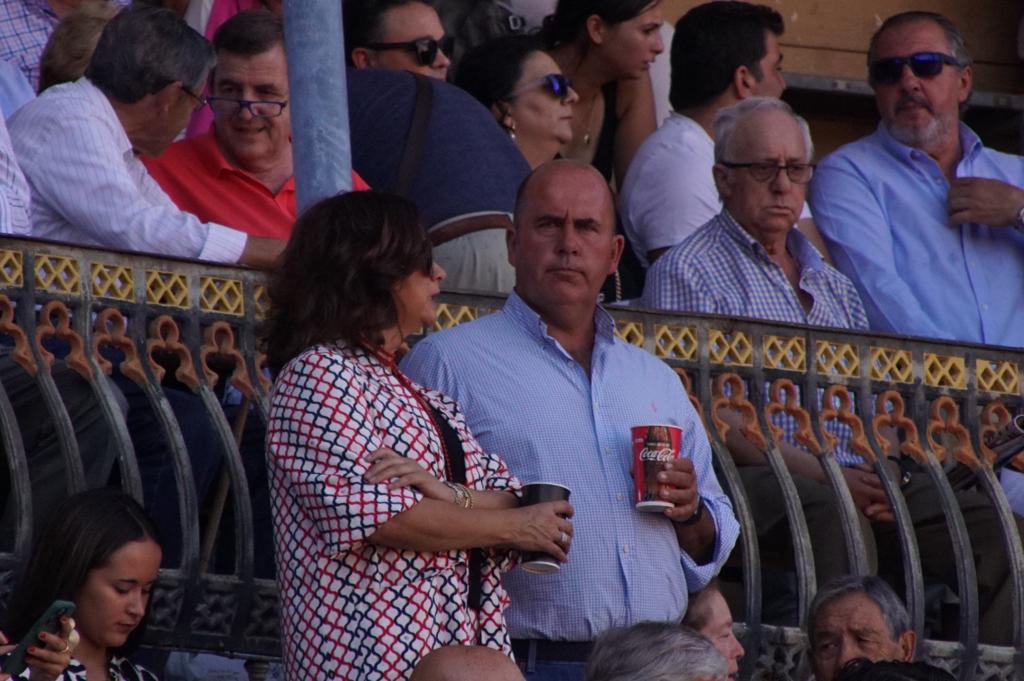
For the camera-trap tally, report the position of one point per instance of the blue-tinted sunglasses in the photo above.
(922, 65)
(557, 84)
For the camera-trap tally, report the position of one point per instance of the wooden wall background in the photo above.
(830, 37)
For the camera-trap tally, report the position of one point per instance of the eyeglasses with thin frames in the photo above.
(798, 173)
(425, 49)
(200, 100)
(258, 108)
(558, 84)
(922, 65)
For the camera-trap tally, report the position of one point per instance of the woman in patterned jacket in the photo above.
(99, 551)
(392, 524)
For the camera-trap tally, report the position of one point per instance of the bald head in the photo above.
(564, 244)
(466, 663)
(565, 171)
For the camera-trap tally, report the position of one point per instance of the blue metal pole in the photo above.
(319, 99)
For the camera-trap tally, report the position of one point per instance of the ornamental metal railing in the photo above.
(167, 325)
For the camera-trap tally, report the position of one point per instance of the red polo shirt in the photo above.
(199, 180)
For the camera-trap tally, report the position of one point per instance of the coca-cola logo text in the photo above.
(661, 454)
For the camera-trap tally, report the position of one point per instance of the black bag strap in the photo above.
(457, 461)
(416, 138)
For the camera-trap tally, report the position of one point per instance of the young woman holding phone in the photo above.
(100, 552)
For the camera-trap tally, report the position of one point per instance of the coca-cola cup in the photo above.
(537, 493)
(653, 446)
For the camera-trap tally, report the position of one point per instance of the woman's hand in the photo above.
(543, 527)
(400, 471)
(49, 662)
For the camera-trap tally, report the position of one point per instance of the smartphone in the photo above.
(49, 622)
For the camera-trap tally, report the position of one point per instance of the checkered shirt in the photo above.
(25, 27)
(352, 609)
(722, 269)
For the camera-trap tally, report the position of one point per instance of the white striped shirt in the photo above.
(89, 188)
(14, 197)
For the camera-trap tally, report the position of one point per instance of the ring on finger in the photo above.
(563, 538)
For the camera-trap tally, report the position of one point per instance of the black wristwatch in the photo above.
(905, 474)
(697, 515)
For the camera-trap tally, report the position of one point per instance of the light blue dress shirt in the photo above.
(526, 399)
(881, 206)
(14, 89)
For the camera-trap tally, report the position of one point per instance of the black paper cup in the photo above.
(538, 493)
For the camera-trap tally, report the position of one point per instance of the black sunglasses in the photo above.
(798, 173)
(922, 64)
(558, 84)
(425, 49)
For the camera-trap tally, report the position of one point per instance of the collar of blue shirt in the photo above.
(798, 245)
(518, 310)
(970, 144)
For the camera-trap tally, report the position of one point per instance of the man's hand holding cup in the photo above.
(679, 481)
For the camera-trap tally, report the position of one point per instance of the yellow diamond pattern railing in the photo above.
(630, 332)
(260, 301)
(112, 281)
(785, 352)
(675, 342)
(449, 315)
(217, 294)
(891, 364)
(733, 348)
(167, 288)
(12, 268)
(836, 359)
(944, 371)
(998, 376)
(58, 274)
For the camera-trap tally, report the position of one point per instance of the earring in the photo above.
(511, 129)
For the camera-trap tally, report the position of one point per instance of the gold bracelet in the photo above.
(460, 495)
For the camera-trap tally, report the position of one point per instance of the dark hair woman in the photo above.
(379, 489)
(100, 552)
(606, 47)
(525, 90)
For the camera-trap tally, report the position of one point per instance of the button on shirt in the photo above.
(534, 405)
(89, 188)
(881, 206)
(722, 269)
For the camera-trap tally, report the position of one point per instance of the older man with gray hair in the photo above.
(762, 167)
(78, 145)
(857, 617)
(750, 261)
(655, 651)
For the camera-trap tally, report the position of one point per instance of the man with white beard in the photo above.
(926, 221)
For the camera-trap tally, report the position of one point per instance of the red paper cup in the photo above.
(653, 446)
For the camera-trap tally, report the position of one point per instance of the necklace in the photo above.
(589, 120)
(388, 360)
